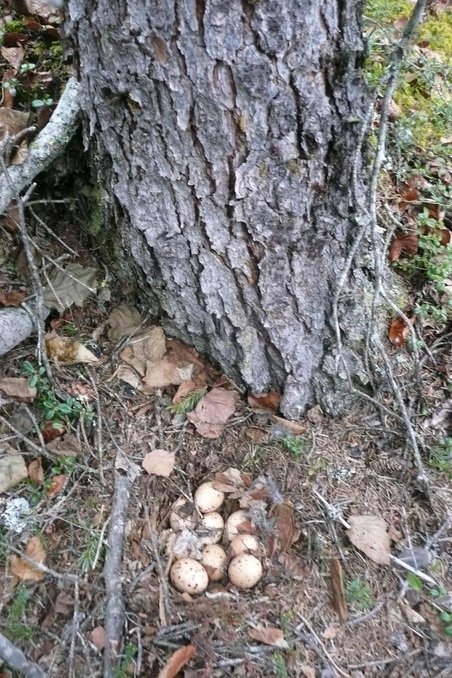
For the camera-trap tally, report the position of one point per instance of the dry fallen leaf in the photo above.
(98, 637)
(269, 636)
(22, 568)
(73, 285)
(128, 375)
(177, 661)
(65, 446)
(56, 484)
(147, 347)
(17, 388)
(123, 321)
(291, 426)
(329, 633)
(12, 298)
(42, 8)
(337, 590)
(267, 402)
(212, 412)
(161, 374)
(411, 615)
(184, 389)
(12, 468)
(369, 534)
(285, 525)
(12, 121)
(399, 331)
(35, 471)
(404, 242)
(67, 351)
(159, 462)
(13, 55)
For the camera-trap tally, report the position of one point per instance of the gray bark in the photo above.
(225, 132)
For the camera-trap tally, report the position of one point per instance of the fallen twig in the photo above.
(16, 660)
(115, 609)
(48, 145)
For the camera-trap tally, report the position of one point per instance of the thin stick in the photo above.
(115, 608)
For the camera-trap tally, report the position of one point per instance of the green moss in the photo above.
(437, 31)
(387, 11)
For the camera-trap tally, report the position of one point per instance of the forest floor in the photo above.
(101, 451)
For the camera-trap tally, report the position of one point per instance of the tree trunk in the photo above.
(225, 133)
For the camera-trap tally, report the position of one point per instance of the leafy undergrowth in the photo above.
(331, 502)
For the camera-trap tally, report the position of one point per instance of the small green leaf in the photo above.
(414, 581)
(33, 381)
(445, 617)
(448, 630)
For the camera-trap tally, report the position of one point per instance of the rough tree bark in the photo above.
(225, 133)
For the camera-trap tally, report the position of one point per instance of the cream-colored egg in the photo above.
(183, 515)
(189, 576)
(210, 528)
(214, 560)
(207, 498)
(237, 523)
(244, 543)
(245, 571)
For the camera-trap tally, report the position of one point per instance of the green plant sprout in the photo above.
(359, 593)
(294, 445)
(189, 401)
(440, 457)
(54, 410)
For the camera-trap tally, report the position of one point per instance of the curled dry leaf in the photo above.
(285, 525)
(13, 55)
(68, 351)
(161, 374)
(159, 462)
(269, 636)
(12, 122)
(98, 637)
(291, 426)
(22, 568)
(337, 590)
(399, 330)
(17, 388)
(267, 402)
(212, 412)
(177, 661)
(369, 534)
(35, 471)
(403, 242)
(56, 484)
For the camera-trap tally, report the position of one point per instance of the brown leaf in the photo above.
(285, 524)
(13, 55)
(17, 388)
(329, 633)
(147, 347)
(56, 484)
(98, 637)
(52, 430)
(267, 402)
(23, 569)
(42, 8)
(73, 285)
(212, 412)
(291, 426)
(269, 636)
(159, 375)
(12, 468)
(159, 462)
(123, 321)
(177, 661)
(12, 298)
(66, 446)
(68, 351)
(64, 603)
(369, 534)
(12, 121)
(403, 242)
(337, 589)
(399, 331)
(35, 471)
(293, 566)
(184, 389)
